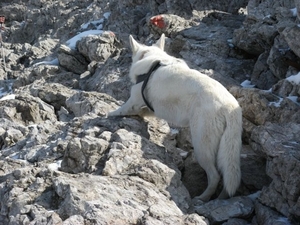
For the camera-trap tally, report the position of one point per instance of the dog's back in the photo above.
(175, 91)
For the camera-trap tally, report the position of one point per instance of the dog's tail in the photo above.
(229, 151)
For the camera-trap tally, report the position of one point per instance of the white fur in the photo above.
(186, 97)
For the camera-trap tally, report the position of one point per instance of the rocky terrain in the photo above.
(64, 65)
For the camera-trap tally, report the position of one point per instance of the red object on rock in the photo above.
(2, 19)
(158, 21)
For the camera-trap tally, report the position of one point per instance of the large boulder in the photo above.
(27, 109)
(279, 144)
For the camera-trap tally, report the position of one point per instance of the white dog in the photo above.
(186, 97)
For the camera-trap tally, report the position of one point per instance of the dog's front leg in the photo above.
(133, 105)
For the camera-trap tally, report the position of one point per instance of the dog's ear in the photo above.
(133, 44)
(161, 42)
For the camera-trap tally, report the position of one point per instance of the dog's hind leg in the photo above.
(213, 178)
(205, 142)
(133, 105)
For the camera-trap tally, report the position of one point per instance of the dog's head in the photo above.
(140, 50)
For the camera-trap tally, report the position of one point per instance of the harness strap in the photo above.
(145, 78)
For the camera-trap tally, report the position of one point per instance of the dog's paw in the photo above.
(197, 201)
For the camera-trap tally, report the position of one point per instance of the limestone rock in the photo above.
(280, 144)
(235, 207)
(256, 38)
(291, 35)
(85, 102)
(262, 77)
(27, 109)
(261, 106)
(55, 94)
(113, 201)
(97, 47)
(266, 215)
(72, 60)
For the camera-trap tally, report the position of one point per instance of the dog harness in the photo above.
(145, 78)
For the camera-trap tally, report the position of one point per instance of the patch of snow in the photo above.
(15, 156)
(55, 166)
(268, 91)
(276, 104)
(294, 11)
(295, 79)
(97, 23)
(5, 89)
(106, 15)
(52, 62)
(72, 42)
(182, 153)
(254, 196)
(174, 131)
(100, 27)
(7, 97)
(291, 144)
(284, 220)
(230, 43)
(283, 50)
(294, 99)
(247, 84)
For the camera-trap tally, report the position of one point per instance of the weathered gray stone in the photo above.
(280, 144)
(90, 102)
(274, 139)
(54, 94)
(255, 39)
(262, 9)
(11, 133)
(97, 47)
(110, 79)
(113, 201)
(275, 60)
(260, 106)
(218, 211)
(26, 109)
(129, 154)
(72, 60)
(83, 154)
(285, 88)
(209, 42)
(74, 220)
(226, 6)
(262, 77)
(236, 221)
(297, 5)
(265, 215)
(253, 167)
(291, 35)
